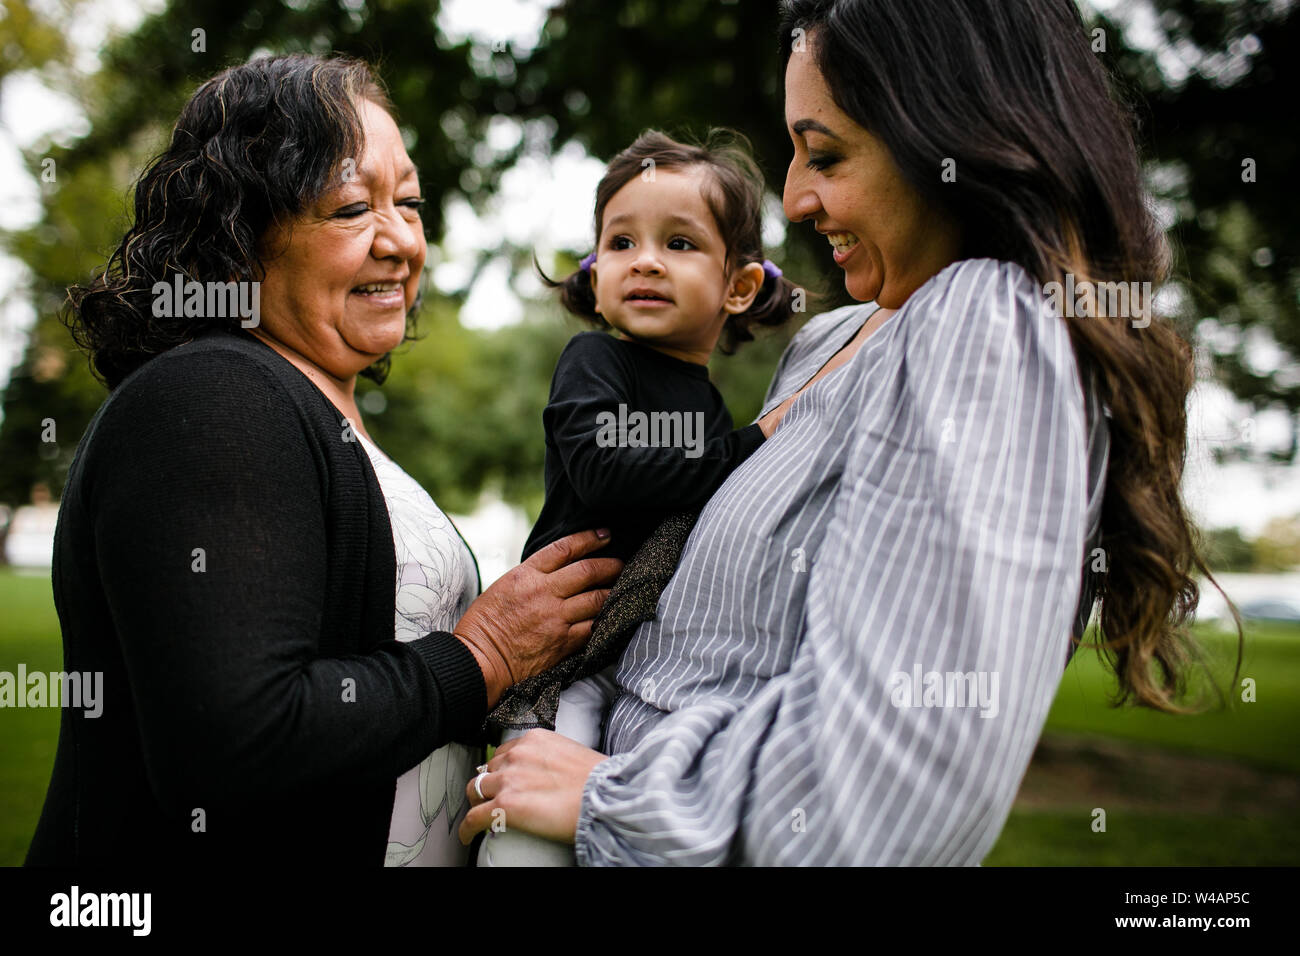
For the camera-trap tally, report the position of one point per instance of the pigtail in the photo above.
(576, 293)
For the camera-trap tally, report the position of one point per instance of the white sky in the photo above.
(546, 204)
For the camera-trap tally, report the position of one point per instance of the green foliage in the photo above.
(1227, 550)
(1278, 546)
(1237, 249)
(463, 406)
(464, 409)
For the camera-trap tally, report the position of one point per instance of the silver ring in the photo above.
(477, 788)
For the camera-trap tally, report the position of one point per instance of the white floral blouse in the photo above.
(437, 579)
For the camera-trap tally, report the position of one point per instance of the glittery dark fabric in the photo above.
(533, 702)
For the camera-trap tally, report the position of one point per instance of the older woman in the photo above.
(863, 638)
(235, 554)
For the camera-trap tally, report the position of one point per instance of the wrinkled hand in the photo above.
(536, 783)
(539, 612)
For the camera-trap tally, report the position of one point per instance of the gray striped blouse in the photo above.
(855, 658)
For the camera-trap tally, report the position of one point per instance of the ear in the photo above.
(744, 287)
(591, 277)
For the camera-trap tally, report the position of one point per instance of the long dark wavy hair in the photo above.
(252, 149)
(1047, 177)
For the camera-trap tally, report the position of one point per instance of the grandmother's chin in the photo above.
(376, 339)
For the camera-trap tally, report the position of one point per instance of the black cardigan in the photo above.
(256, 707)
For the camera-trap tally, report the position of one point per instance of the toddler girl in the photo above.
(635, 431)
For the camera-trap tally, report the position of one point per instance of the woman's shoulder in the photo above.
(991, 287)
(218, 356)
(973, 302)
(987, 324)
(224, 380)
(220, 369)
(216, 408)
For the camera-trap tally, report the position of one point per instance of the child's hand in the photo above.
(772, 419)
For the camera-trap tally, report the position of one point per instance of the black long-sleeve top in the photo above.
(224, 557)
(591, 482)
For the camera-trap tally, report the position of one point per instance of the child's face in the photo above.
(659, 274)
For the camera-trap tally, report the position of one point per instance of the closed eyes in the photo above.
(357, 209)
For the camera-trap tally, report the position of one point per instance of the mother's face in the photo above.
(885, 237)
(319, 295)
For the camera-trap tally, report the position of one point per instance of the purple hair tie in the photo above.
(585, 264)
(770, 270)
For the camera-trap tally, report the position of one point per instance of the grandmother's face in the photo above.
(884, 236)
(345, 275)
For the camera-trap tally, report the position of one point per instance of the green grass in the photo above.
(1262, 734)
(29, 632)
(1066, 838)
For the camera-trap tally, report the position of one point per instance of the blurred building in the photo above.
(29, 541)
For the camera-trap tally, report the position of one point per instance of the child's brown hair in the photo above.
(736, 201)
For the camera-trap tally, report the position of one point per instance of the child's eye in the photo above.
(620, 242)
(680, 243)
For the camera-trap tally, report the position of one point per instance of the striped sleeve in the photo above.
(938, 603)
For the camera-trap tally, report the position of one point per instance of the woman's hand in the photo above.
(539, 612)
(773, 418)
(534, 783)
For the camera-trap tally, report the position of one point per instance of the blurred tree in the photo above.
(461, 409)
(1221, 155)
(1278, 546)
(31, 37)
(1211, 91)
(1226, 550)
(132, 101)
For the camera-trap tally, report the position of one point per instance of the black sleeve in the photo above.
(233, 701)
(590, 378)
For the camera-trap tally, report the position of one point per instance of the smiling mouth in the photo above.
(378, 288)
(385, 295)
(841, 242)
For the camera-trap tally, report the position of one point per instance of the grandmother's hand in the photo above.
(533, 783)
(539, 612)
